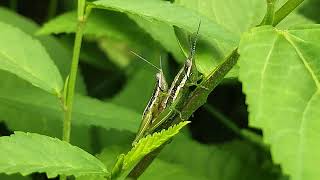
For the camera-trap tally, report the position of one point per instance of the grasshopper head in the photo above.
(162, 83)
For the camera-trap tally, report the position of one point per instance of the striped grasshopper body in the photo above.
(153, 107)
(178, 92)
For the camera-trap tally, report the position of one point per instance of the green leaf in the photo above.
(237, 17)
(280, 72)
(173, 15)
(33, 65)
(103, 27)
(17, 119)
(162, 33)
(59, 54)
(27, 101)
(101, 23)
(26, 153)
(149, 144)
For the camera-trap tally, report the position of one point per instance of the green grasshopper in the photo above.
(154, 105)
(178, 92)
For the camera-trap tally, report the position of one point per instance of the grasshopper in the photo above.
(179, 90)
(154, 105)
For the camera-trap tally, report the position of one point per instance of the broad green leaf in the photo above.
(229, 161)
(58, 53)
(100, 23)
(173, 15)
(162, 33)
(16, 118)
(26, 153)
(280, 72)
(26, 57)
(103, 27)
(149, 144)
(237, 17)
(15, 102)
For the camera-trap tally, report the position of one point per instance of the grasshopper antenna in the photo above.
(193, 48)
(147, 61)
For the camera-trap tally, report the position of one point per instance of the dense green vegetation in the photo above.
(72, 93)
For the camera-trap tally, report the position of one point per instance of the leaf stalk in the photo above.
(285, 10)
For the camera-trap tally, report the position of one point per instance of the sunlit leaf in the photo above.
(173, 15)
(280, 72)
(149, 144)
(26, 153)
(26, 57)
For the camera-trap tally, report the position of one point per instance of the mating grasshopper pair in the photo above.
(165, 103)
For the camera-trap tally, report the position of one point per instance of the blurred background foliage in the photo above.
(208, 149)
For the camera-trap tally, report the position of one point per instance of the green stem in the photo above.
(13, 5)
(138, 170)
(52, 9)
(72, 78)
(269, 17)
(72, 81)
(285, 10)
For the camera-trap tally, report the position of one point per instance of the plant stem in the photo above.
(137, 171)
(13, 5)
(52, 9)
(269, 17)
(72, 78)
(285, 10)
(72, 82)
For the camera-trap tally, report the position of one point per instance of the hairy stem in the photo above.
(52, 9)
(285, 10)
(73, 76)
